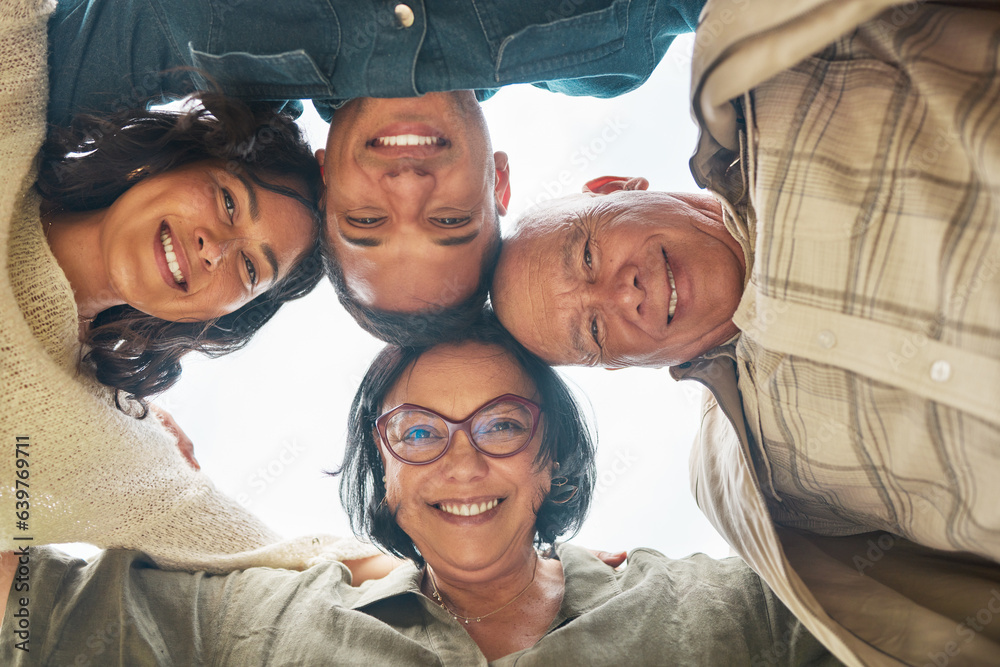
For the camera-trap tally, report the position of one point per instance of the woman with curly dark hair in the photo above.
(130, 241)
(178, 232)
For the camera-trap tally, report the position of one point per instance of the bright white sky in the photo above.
(267, 421)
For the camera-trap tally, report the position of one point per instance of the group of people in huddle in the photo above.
(835, 287)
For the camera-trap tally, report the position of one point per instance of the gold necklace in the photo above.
(458, 617)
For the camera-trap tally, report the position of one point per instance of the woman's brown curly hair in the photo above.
(93, 162)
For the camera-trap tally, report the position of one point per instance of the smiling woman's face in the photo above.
(201, 241)
(454, 380)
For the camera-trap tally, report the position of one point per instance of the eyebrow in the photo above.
(568, 251)
(363, 241)
(374, 242)
(458, 240)
(272, 259)
(578, 341)
(265, 248)
(251, 196)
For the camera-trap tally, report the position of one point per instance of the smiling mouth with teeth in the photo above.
(408, 140)
(673, 290)
(468, 509)
(168, 250)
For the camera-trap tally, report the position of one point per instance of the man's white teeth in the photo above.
(469, 510)
(406, 140)
(673, 292)
(168, 250)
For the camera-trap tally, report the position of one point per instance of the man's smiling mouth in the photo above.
(408, 140)
(673, 289)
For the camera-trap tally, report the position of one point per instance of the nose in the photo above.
(210, 248)
(463, 462)
(623, 290)
(406, 166)
(410, 183)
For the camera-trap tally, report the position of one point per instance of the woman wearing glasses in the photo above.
(470, 460)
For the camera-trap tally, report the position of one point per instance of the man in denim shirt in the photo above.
(107, 55)
(412, 201)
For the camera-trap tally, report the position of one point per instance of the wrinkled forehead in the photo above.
(618, 212)
(534, 301)
(554, 217)
(454, 379)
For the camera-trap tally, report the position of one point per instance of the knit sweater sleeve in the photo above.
(73, 468)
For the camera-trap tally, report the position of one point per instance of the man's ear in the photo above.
(605, 185)
(502, 188)
(321, 158)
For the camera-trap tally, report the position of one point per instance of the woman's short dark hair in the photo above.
(88, 165)
(566, 439)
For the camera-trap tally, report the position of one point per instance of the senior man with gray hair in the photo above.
(840, 296)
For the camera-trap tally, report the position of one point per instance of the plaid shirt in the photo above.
(869, 363)
(869, 360)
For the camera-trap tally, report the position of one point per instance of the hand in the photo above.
(605, 185)
(610, 559)
(8, 567)
(373, 567)
(184, 443)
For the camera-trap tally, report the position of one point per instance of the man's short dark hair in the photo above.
(435, 324)
(566, 440)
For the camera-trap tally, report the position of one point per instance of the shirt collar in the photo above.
(589, 583)
(705, 367)
(404, 579)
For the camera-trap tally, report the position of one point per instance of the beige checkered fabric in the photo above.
(869, 365)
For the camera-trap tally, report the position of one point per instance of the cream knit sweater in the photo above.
(87, 472)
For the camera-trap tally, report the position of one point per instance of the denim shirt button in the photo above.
(404, 15)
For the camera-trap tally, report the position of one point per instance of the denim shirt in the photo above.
(114, 54)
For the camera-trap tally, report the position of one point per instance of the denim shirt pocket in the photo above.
(281, 76)
(543, 48)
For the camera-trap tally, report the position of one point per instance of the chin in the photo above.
(462, 558)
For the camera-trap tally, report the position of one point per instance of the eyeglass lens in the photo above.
(497, 429)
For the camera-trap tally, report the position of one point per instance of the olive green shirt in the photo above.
(120, 609)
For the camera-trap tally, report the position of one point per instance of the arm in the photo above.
(612, 560)
(8, 566)
(373, 567)
(118, 608)
(91, 473)
(184, 444)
